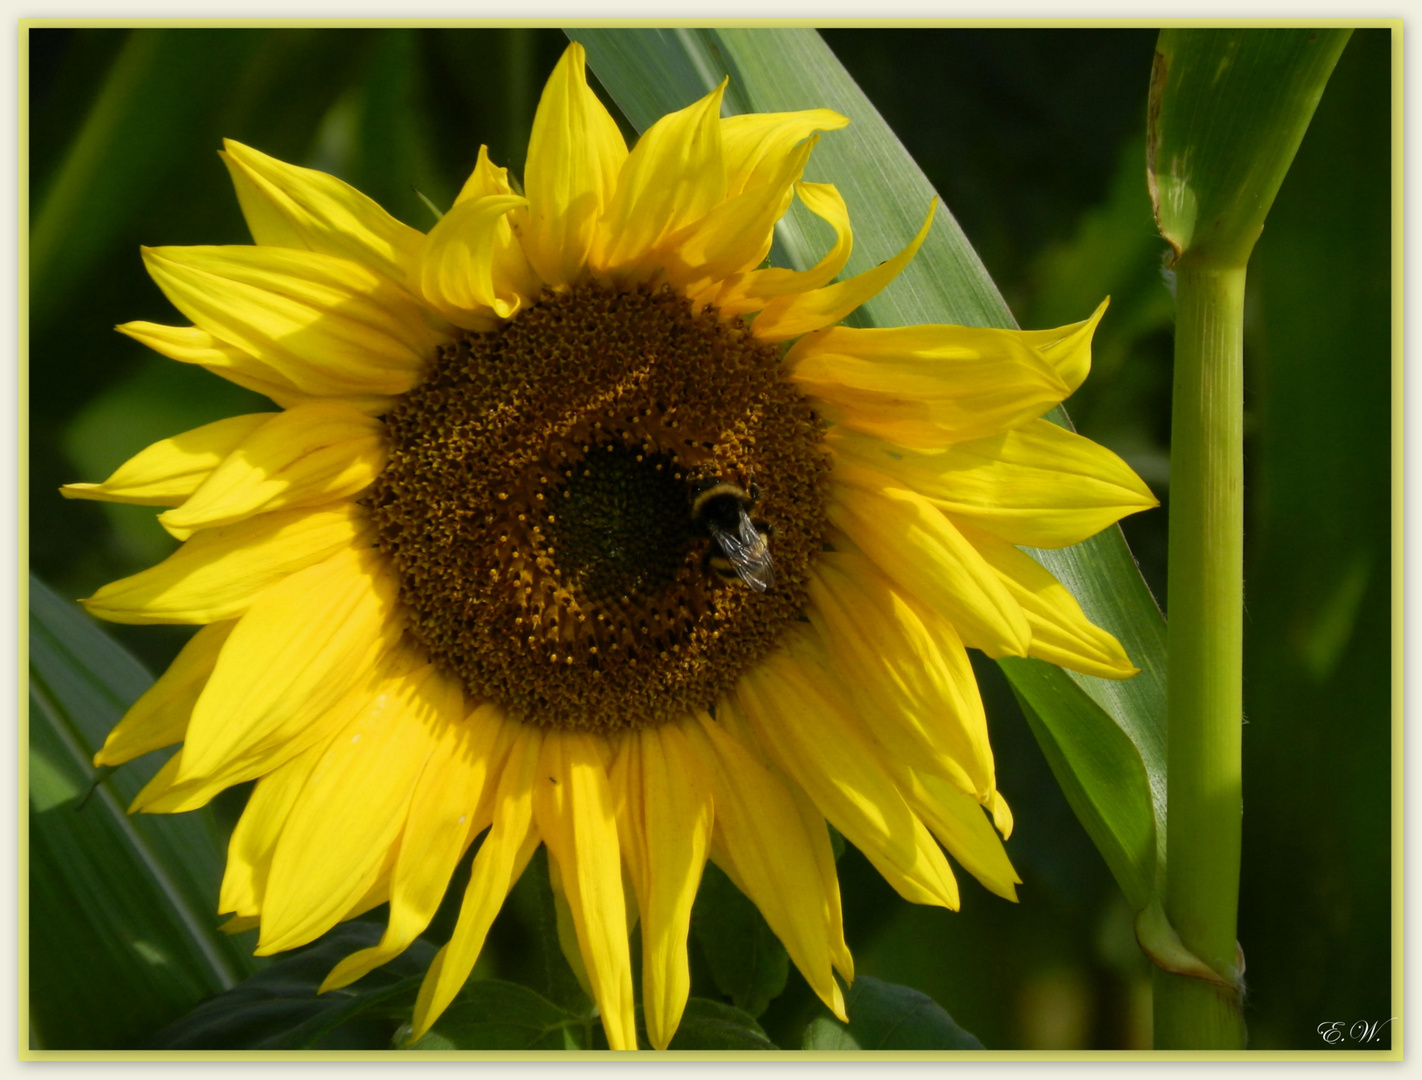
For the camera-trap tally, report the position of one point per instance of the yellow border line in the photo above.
(1022, 23)
(783, 1056)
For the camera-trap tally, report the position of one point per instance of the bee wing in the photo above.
(748, 552)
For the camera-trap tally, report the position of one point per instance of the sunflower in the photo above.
(579, 526)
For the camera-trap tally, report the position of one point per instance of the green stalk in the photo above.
(1204, 645)
(1228, 108)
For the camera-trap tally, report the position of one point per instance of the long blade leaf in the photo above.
(123, 931)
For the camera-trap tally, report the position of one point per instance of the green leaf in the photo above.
(827, 1033)
(1099, 770)
(122, 915)
(714, 1025)
(1227, 111)
(887, 196)
(884, 1016)
(493, 1015)
(746, 959)
(279, 1009)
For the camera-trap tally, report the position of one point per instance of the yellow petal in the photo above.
(573, 806)
(910, 679)
(673, 177)
(736, 234)
(753, 143)
(219, 572)
(169, 471)
(574, 155)
(160, 717)
(470, 268)
(288, 206)
(1068, 348)
(299, 648)
(791, 316)
(1061, 632)
(1038, 485)
(486, 179)
(839, 769)
(911, 541)
(664, 828)
(924, 387)
(743, 293)
(352, 810)
(774, 855)
(257, 751)
(510, 843)
(162, 780)
(192, 345)
(308, 455)
(254, 839)
(445, 815)
(958, 821)
(330, 326)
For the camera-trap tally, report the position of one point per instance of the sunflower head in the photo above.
(579, 526)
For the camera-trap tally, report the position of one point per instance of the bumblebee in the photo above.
(721, 510)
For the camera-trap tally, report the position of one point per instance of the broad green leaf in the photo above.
(747, 961)
(123, 917)
(279, 1009)
(885, 1016)
(887, 196)
(827, 1033)
(1090, 756)
(1228, 108)
(493, 1015)
(714, 1025)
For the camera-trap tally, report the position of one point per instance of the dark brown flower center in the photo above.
(537, 507)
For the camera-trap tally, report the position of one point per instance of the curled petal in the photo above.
(470, 268)
(790, 316)
(744, 293)
(753, 144)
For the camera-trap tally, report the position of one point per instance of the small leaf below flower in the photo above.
(885, 1016)
(747, 961)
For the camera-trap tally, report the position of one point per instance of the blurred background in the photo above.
(1035, 139)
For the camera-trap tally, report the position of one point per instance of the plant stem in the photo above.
(1204, 644)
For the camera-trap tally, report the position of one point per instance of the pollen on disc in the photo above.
(537, 507)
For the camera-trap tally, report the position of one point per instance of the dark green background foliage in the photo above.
(1035, 139)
